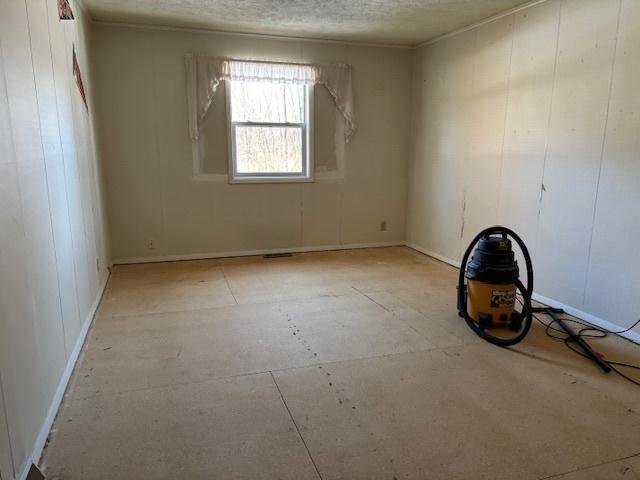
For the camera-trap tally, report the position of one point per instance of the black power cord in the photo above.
(588, 331)
(568, 336)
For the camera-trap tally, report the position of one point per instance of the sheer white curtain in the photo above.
(203, 76)
(205, 73)
(337, 79)
(271, 72)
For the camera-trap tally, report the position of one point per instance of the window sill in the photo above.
(319, 177)
(239, 180)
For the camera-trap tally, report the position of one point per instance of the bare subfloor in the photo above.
(335, 365)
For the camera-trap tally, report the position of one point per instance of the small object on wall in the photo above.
(78, 76)
(64, 10)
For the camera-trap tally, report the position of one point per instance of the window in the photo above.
(269, 118)
(270, 131)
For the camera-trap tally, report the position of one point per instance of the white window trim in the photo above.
(308, 146)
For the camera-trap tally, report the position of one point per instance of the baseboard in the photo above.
(435, 255)
(249, 253)
(62, 386)
(587, 317)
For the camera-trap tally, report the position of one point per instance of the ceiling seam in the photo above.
(208, 31)
(490, 19)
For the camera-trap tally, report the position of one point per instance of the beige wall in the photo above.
(145, 143)
(52, 236)
(532, 121)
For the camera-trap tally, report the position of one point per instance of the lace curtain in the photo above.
(205, 73)
(271, 72)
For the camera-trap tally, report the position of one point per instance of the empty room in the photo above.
(319, 240)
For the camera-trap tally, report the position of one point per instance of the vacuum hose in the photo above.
(521, 322)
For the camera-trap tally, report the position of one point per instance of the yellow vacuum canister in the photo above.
(494, 300)
(488, 283)
(491, 282)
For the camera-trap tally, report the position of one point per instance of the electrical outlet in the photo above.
(151, 244)
(98, 265)
(383, 226)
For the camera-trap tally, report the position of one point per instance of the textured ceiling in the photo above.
(401, 22)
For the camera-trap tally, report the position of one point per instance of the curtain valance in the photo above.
(205, 73)
(271, 72)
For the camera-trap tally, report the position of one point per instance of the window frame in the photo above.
(307, 174)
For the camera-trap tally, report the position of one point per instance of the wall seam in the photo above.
(547, 134)
(506, 114)
(6, 418)
(46, 177)
(96, 208)
(410, 136)
(82, 167)
(602, 150)
(10, 125)
(4, 399)
(341, 215)
(157, 156)
(95, 141)
(64, 171)
(91, 171)
(466, 158)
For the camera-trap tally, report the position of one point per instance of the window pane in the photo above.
(268, 149)
(267, 102)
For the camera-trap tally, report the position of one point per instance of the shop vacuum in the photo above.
(488, 288)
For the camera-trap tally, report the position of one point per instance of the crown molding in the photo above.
(493, 18)
(261, 36)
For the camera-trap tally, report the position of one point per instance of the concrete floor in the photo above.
(334, 365)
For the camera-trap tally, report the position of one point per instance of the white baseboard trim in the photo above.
(62, 386)
(435, 255)
(587, 317)
(250, 253)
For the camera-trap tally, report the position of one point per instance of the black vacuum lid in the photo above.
(493, 261)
